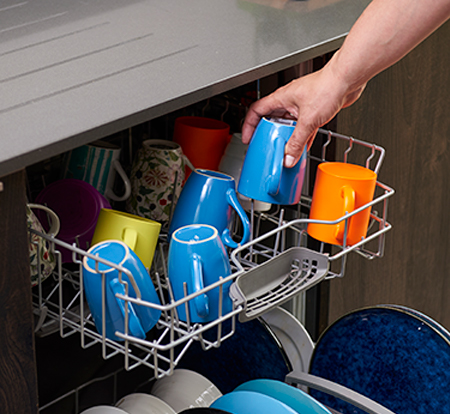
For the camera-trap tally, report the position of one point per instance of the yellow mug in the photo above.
(138, 233)
(341, 188)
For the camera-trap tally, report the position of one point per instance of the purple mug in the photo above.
(77, 205)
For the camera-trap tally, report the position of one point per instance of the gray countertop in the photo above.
(76, 70)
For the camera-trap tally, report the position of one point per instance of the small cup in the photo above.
(140, 318)
(198, 258)
(186, 389)
(97, 164)
(341, 188)
(138, 233)
(263, 175)
(140, 403)
(203, 140)
(40, 254)
(209, 197)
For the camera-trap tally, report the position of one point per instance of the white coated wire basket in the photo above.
(280, 261)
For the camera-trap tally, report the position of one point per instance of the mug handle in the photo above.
(109, 193)
(234, 202)
(55, 223)
(274, 179)
(135, 327)
(348, 194)
(129, 237)
(188, 162)
(201, 301)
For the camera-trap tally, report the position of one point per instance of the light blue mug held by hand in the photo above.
(197, 258)
(209, 197)
(263, 175)
(140, 318)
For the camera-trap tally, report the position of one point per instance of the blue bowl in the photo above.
(287, 394)
(249, 402)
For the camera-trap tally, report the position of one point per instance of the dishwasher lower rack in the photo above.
(280, 261)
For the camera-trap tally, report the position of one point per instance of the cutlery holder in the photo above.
(277, 280)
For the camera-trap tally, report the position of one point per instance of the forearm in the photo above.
(385, 32)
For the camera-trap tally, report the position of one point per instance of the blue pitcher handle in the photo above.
(134, 325)
(201, 301)
(234, 202)
(274, 179)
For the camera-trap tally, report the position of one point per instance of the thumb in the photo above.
(300, 139)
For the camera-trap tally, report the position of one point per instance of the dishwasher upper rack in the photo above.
(269, 277)
(172, 337)
(295, 262)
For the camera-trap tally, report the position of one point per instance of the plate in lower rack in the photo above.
(252, 352)
(389, 355)
(293, 336)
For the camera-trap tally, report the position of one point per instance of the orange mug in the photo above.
(341, 188)
(203, 140)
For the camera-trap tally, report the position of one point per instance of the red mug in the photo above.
(203, 140)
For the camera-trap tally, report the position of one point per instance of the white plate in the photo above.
(185, 389)
(140, 403)
(293, 336)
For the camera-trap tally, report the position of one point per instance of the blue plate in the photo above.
(252, 352)
(287, 394)
(394, 357)
(249, 402)
(422, 316)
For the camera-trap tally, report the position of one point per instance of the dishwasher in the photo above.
(272, 272)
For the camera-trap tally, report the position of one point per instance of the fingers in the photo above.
(251, 121)
(301, 138)
(267, 106)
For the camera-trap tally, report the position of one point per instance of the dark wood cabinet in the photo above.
(406, 110)
(18, 383)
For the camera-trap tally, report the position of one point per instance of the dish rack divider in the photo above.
(59, 303)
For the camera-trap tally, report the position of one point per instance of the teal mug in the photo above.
(97, 164)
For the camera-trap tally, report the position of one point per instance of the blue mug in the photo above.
(140, 318)
(209, 197)
(198, 258)
(263, 175)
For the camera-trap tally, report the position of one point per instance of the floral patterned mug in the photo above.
(42, 259)
(157, 175)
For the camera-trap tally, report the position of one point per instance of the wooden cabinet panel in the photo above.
(406, 109)
(18, 385)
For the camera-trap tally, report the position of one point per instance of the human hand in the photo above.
(311, 100)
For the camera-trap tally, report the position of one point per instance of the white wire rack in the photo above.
(279, 262)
